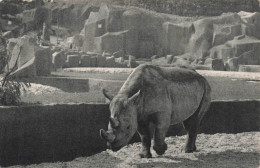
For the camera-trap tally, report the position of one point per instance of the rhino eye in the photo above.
(128, 127)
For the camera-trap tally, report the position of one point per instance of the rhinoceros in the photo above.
(153, 98)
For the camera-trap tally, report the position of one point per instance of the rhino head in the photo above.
(123, 121)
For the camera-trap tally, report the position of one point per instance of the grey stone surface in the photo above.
(73, 60)
(58, 60)
(85, 61)
(110, 61)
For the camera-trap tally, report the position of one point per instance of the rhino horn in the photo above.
(107, 136)
(135, 96)
(114, 122)
(107, 94)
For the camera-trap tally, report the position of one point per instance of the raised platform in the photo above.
(225, 85)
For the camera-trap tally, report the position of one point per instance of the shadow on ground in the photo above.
(227, 159)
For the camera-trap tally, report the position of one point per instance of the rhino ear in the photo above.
(134, 97)
(107, 94)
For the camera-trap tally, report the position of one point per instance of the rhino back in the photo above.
(177, 92)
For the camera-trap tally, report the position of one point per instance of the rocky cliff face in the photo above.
(70, 16)
(189, 40)
(220, 42)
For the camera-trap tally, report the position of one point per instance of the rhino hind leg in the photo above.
(191, 125)
(144, 133)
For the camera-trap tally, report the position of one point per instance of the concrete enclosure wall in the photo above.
(48, 133)
(34, 134)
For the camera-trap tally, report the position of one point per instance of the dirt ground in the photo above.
(43, 94)
(214, 151)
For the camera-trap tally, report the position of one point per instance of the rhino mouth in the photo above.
(115, 149)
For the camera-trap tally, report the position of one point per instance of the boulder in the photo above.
(120, 59)
(11, 44)
(115, 21)
(110, 61)
(226, 53)
(93, 61)
(215, 64)
(132, 62)
(95, 26)
(202, 39)
(40, 64)
(43, 61)
(101, 61)
(225, 32)
(105, 54)
(245, 45)
(73, 60)
(118, 54)
(26, 71)
(58, 60)
(252, 21)
(85, 61)
(34, 18)
(218, 65)
(169, 59)
(249, 58)
(222, 52)
(110, 42)
(208, 61)
(71, 16)
(24, 49)
(75, 42)
(232, 64)
(177, 37)
(219, 38)
(146, 49)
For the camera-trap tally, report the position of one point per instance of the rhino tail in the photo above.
(205, 101)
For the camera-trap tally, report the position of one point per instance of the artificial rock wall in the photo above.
(232, 38)
(28, 59)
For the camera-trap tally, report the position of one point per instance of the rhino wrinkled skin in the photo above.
(152, 99)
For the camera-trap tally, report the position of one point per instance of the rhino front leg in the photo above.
(143, 130)
(162, 123)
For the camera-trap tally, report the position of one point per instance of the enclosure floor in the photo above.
(225, 86)
(218, 150)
